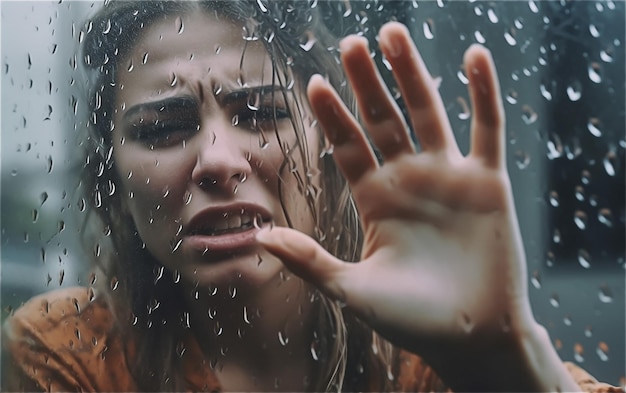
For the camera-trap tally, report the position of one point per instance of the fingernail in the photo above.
(393, 47)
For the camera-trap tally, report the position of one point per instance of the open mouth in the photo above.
(230, 224)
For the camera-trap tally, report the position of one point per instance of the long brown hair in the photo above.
(355, 358)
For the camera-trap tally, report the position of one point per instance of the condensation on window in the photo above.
(561, 67)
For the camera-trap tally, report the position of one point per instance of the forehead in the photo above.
(193, 47)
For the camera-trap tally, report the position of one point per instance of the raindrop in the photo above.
(130, 66)
(555, 147)
(579, 193)
(314, 350)
(574, 91)
(545, 92)
(584, 259)
(593, 30)
(461, 75)
(173, 79)
(180, 26)
(35, 215)
(511, 97)
(61, 276)
(493, 18)
(554, 199)
(235, 121)
(593, 125)
(602, 350)
(49, 164)
(529, 116)
(232, 291)
(479, 37)
(610, 163)
(567, 320)
(465, 112)
(187, 197)
(556, 236)
(605, 217)
(585, 177)
(522, 159)
(158, 273)
(607, 55)
(605, 294)
(282, 338)
(578, 353)
(554, 300)
(580, 219)
(550, 259)
(588, 331)
(246, 318)
(114, 283)
(536, 280)
(175, 245)
(594, 72)
(429, 29)
(509, 37)
(308, 42)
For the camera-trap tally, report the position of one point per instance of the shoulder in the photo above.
(64, 339)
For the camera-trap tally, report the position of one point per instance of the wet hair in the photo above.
(354, 358)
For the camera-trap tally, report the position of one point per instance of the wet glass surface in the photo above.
(561, 66)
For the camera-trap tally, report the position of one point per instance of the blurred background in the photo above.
(561, 66)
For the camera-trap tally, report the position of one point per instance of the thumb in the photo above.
(306, 258)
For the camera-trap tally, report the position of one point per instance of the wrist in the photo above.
(521, 359)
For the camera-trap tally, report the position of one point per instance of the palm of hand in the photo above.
(442, 253)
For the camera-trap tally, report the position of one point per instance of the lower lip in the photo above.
(229, 242)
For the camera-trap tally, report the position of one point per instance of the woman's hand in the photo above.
(443, 270)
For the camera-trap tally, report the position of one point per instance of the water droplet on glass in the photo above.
(429, 29)
(522, 159)
(479, 37)
(175, 245)
(180, 26)
(554, 199)
(536, 280)
(578, 353)
(246, 318)
(554, 300)
(556, 236)
(567, 320)
(602, 351)
(574, 91)
(491, 14)
(529, 116)
(509, 37)
(130, 66)
(588, 331)
(594, 72)
(232, 291)
(605, 294)
(593, 125)
(307, 42)
(61, 276)
(580, 219)
(114, 283)
(610, 163)
(606, 55)
(584, 259)
(282, 338)
(585, 177)
(605, 217)
(49, 164)
(593, 30)
(187, 197)
(545, 92)
(579, 193)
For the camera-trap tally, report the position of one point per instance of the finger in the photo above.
(488, 112)
(351, 150)
(420, 94)
(306, 258)
(382, 117)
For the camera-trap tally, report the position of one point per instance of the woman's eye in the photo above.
(164, 133)
(264, 114)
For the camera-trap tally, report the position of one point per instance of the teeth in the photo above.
(227, 222)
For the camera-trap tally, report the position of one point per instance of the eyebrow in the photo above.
(171, 103)
(238, 95)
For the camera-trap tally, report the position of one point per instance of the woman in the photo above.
(208, 171)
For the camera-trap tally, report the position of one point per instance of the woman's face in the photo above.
(198, 176)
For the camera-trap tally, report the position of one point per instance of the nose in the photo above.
(221, 162)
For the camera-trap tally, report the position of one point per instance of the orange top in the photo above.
(62, 341)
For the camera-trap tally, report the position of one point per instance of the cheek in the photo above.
(154, 185)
